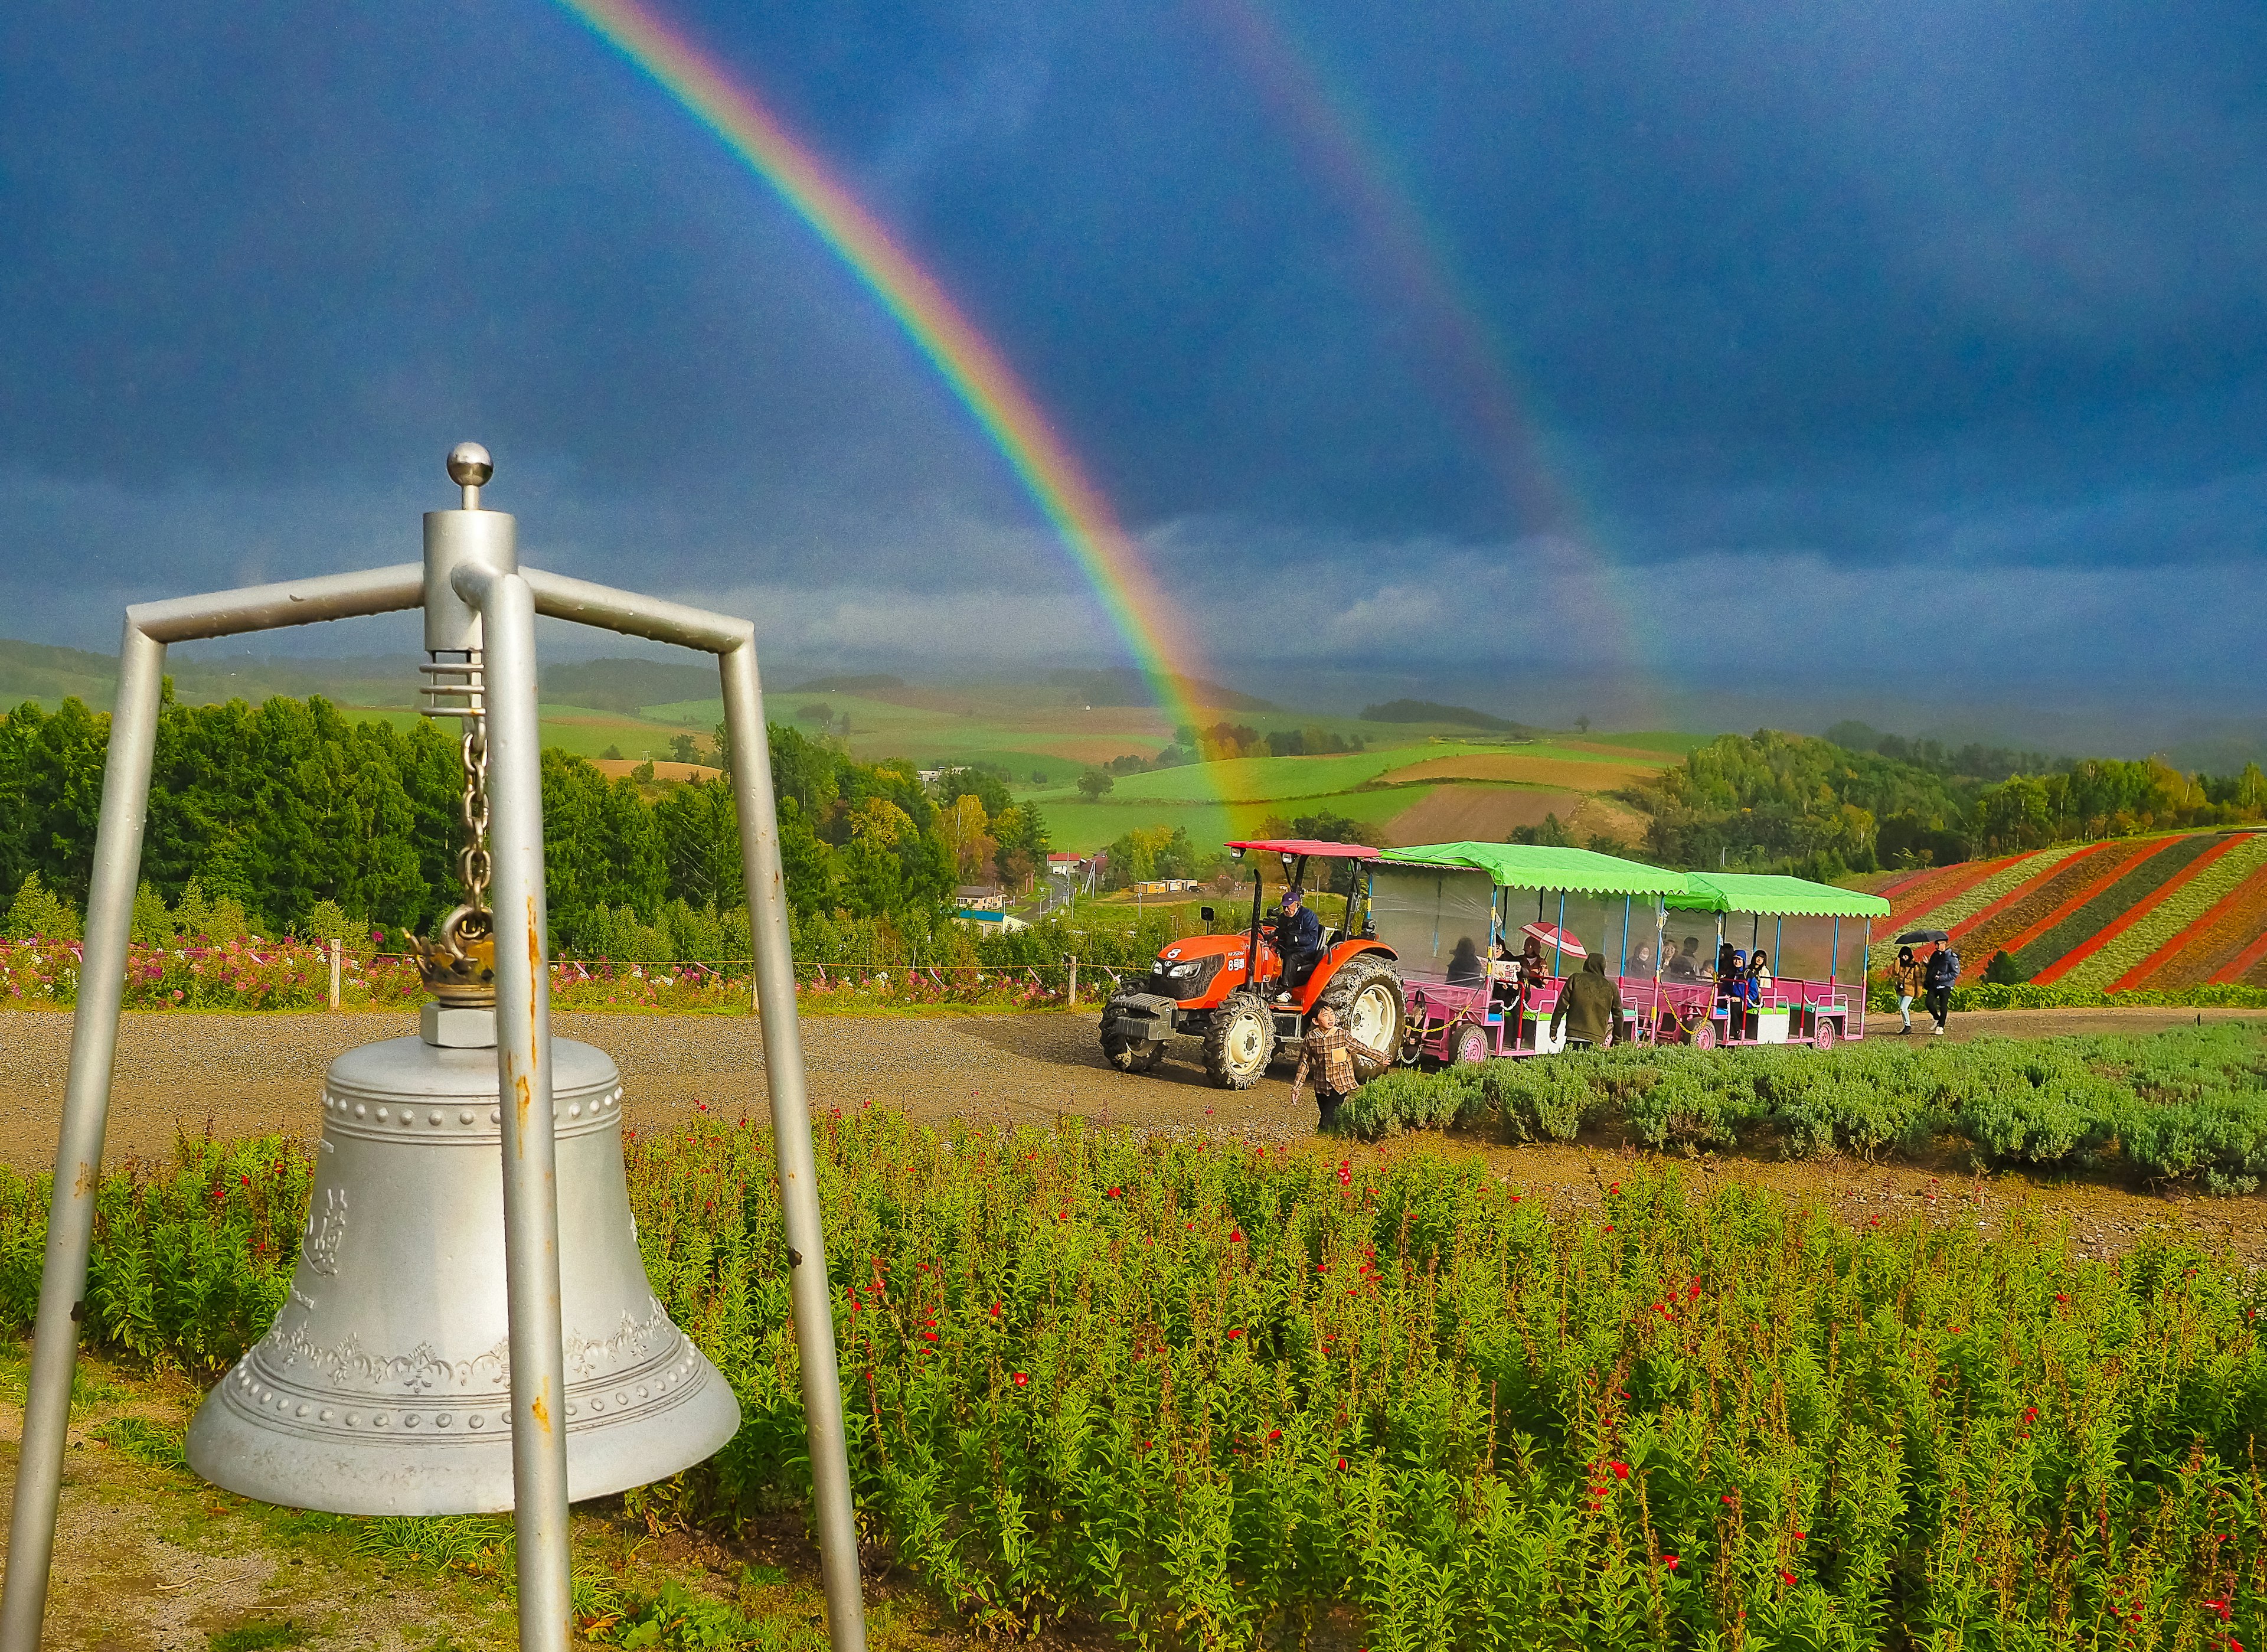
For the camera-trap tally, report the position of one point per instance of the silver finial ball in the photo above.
(469, 465)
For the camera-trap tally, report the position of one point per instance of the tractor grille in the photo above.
(1190, 978)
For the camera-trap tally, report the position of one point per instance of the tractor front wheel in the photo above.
(1132, 1055)
(1240, 1042)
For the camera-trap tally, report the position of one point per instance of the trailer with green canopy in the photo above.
(1804, 931)
(1460, 917)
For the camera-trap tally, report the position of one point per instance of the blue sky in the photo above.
(1904, 358)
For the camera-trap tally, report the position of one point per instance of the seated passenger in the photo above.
(1732, 990)
(1684, 963)
(1759, 976)
(1298, 942)
(1465, 968)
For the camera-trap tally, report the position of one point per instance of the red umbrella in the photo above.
(1560, 940)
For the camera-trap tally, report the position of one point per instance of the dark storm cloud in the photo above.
(1831, 299)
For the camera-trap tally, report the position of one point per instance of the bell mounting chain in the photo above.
(316, 1410)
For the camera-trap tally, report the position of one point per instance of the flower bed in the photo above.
(1997, 930)
(247, 975)
(1917, 903)
(2128, 958)
(1188, 1395)
(2216, 939)
(2067, 943)
(2178, 1106)
(1981, 896)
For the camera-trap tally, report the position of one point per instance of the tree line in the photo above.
(286, 807)
(1790, 802)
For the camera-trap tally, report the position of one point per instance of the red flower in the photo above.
(1621, 1470)
(246, 1180)
(1786, 1578)
(928, 1336)
(1236, 1333)
(1021, 1380)
(1668, 1561)
(1725, 1500)
(1692, 1291)
(1276, 1435)
(1799, 1536)
(1236, 1236)
(1345, 1172)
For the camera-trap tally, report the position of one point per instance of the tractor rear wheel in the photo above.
(1367, 994)
(1132, 1055)
(1240, 1042)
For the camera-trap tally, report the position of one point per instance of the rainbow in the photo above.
(1108, 557)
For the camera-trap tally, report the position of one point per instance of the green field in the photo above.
(1077, 826)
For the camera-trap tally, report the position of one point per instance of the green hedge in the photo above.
(2189, 1106)
(2206, 995)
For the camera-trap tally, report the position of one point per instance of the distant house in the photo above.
(970, 895)
(1165, 886)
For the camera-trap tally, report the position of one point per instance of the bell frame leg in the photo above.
(95, 1026)
(531, 1180)
(79, 1156)
(734, 643)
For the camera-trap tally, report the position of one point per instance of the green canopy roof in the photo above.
(1538, 866)
(1774, 896)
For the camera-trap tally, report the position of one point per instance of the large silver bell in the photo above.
(383, 1386)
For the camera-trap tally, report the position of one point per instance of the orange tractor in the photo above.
(1231, 990)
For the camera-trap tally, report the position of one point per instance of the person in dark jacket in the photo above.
(1943, 976)
(1298, 941)
(1589, 1007)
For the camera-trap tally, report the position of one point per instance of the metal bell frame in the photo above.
(474, 595)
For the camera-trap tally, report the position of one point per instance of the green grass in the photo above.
(255, 1637)
(1270, 779)
(1079, 826)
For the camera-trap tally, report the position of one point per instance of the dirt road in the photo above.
(246, 1074)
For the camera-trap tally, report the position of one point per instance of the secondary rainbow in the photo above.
(1106, 555)
(1328, 125)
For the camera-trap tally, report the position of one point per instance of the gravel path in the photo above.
(246, 1074)
(242, 1075)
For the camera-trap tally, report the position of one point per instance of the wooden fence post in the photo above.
(334, 971)
(1070, 998)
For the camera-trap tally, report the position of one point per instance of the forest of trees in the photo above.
(1794, 802)
(284, 806)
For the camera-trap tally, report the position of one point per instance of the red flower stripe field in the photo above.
(1923, 899)
(2019, 913)
(2085, 932)
(2249, 967)
(2036, 873)
(2132, 959)
(2102, 874)
(2216, 939)
(2006, 877)
(2136, 934)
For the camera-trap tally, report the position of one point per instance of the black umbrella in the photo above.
(1922, 934)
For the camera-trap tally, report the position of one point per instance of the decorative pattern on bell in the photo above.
(383, 1386)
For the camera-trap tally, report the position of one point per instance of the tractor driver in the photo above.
(1298, 941)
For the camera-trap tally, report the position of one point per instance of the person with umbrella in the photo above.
(1940, 971)
(1908, 985)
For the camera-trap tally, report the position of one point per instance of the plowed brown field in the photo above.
(1570, 774)
(1479, 814)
